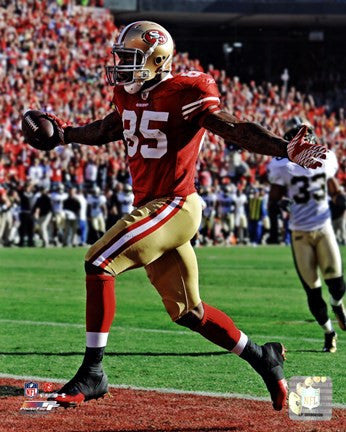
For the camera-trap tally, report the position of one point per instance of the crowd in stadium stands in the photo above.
(52, 55)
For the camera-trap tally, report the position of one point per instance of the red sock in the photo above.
(100, 303)
(217, 327)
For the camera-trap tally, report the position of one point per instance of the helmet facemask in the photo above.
(310, 136)
(294, 125)
(128, 66)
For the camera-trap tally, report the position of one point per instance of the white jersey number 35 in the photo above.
(152, 134)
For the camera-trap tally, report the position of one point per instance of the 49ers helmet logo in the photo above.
(151, 36)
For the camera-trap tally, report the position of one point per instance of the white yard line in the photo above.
(75, 325)
(144, 330)
(44, 323)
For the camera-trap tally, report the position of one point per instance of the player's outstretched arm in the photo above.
(45, 131)
(250, 136)
(257, 139)
(96, 133)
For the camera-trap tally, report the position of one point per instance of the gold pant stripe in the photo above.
(168, 229)
(139, 230)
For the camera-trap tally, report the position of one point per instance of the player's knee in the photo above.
(192, 318)
(91, 269)
(314, 296)
(336, 287)
(317, 305)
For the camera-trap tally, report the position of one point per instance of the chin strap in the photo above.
(142, 85)
(134, 87)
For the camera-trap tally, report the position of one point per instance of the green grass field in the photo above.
(42, 298)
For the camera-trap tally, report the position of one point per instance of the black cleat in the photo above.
(340, 314)
(268, 361)
(330, 342)
(272, 373)
(84, 386)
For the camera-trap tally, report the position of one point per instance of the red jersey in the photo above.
(163, 138)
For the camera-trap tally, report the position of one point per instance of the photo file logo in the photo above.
(310, 398)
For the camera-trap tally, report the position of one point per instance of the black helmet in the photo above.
(293, 125)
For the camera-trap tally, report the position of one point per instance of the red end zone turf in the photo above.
(145, 411)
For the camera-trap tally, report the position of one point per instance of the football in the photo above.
(40, 131)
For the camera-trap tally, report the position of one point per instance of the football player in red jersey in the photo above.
(163, 118)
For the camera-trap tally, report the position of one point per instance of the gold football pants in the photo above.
(156, 236)
(315, 250)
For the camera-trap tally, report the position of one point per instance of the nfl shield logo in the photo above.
(30, 389)
(310, 397)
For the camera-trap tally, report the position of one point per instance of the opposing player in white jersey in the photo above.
(58, 196)
(125, 199)
(314, 245)
(97, 211)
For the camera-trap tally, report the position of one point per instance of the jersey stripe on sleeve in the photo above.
(189, 108)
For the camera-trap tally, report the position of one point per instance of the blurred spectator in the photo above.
(113, 206)
(58, 196)
(43, 212)
(125, 199)
(264, 192)
(256, 212)
(26, 227)
(2, 171)
(279, 214)
(225, 210)
(56, 172)
(205, 178)
(35, 172)
(97, 210)
(5, 218)
(15, 211)
(102, 171)
(240, 218)
(338, 209)
(90, 173)
(83, 219)
(209, 198)
(47, 173)
(72, 208)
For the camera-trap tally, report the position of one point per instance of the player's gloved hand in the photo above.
(303, 153)
(61, 125)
